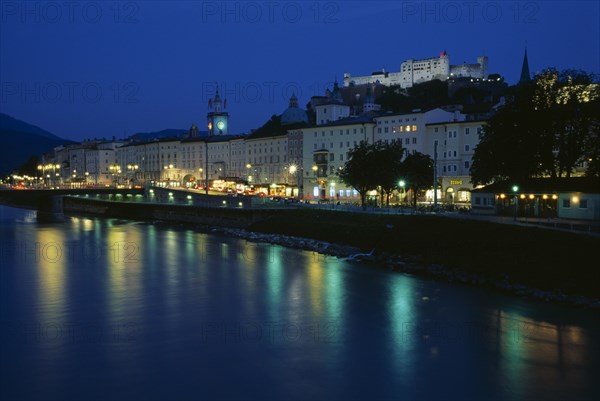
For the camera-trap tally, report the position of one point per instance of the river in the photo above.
(111, 309)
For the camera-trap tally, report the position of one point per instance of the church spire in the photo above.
(217, 101)
(525, 75)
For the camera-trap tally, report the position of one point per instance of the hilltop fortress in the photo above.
(416, 71)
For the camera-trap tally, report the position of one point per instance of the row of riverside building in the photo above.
(297, 159)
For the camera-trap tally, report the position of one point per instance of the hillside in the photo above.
(8, 123)
(19, 141)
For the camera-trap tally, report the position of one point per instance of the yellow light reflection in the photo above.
(315, 285)
(52, 256)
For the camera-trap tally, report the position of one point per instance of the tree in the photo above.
(425, 95)
(361, 169)
(547, 128)
(390, 167)
(417, 170)
(30, 167)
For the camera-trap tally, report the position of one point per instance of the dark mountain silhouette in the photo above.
(19, 141)
(8, 123)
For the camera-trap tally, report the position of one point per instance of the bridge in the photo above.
(48, 202)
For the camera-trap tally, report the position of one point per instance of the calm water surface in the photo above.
(111, 309)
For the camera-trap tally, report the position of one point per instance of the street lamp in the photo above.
(55, 167)
(402, 184)
(515, 189)
(133, 169)
(115, 170)
(294, 170)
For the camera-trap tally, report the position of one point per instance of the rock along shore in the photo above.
(409, 265)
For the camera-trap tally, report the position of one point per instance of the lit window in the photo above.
(414, 127)
(408, 128)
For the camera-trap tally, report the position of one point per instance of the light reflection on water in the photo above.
(131, 310)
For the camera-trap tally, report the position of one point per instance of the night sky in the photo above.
(104, 68)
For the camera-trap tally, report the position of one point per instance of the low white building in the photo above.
(575, 198)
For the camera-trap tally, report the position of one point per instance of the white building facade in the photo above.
(456, 142)
(417, 71)
(326, 147)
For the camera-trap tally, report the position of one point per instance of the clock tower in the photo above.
(218, 123)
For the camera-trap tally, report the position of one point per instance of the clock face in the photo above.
(220, 125)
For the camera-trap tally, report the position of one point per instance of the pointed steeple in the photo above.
(525, 75)
(217, 101)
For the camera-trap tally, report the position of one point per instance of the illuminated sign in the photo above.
(455, 182)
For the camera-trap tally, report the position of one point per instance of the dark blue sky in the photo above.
(104, 68)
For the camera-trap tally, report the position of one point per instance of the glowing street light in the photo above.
(515, 189)
(402, 184)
